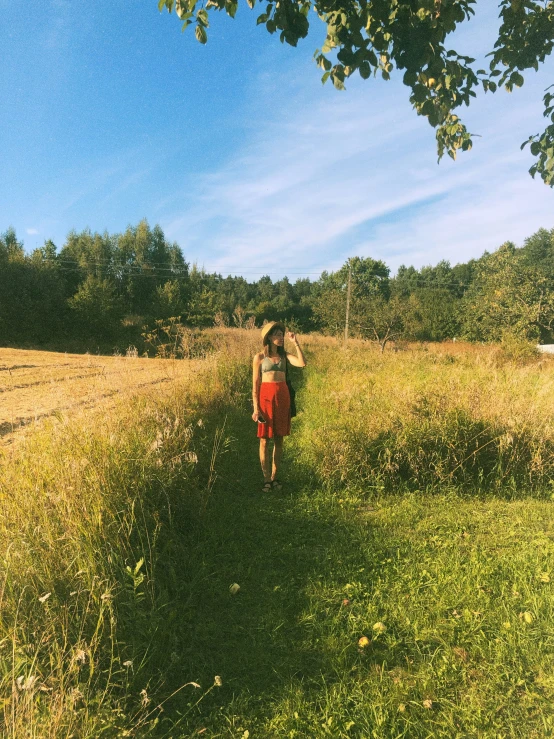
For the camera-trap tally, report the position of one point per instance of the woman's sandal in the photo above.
(276, 484)
(267, 486)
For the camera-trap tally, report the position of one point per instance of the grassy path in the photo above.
(119, 552)
(453, 594)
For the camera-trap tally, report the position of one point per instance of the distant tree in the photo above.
(45, 254)
(376, 36)
(202, 307)
(508, 296)
(433, 314)
(369, 279)
(383, 320)
(96, 307)
(406, 281)
(265, 311)
(265, 289)
(85, 254)
(11, 249)
(538, 251)
(32, 301)
(169, 300)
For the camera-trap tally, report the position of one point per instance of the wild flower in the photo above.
(25, 683)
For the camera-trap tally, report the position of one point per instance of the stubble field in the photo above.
(35, 385)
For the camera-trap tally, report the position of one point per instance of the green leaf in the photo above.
(364, 70)
(200, 33)
(251, 3)
(371, 58)
(231, 8)
(202, 18)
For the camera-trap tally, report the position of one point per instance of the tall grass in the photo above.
(443, 416)
(91, 536)
(119, 540)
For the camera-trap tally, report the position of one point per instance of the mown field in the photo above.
(399, 586)
(35, 385)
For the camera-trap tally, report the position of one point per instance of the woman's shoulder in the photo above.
(259, 356)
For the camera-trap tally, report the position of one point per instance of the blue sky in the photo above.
(110, 114)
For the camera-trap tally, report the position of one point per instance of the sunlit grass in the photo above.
(381, 594)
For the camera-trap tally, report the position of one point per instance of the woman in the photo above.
(271, 398)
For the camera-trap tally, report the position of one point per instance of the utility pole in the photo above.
(348, 290)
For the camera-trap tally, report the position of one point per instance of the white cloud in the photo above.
(32, 231)
(356, 174)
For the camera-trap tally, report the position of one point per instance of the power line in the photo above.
(174, 270)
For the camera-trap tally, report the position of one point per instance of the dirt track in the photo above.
(35, 385)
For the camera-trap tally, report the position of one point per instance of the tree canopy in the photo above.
(107, 290)
(373, 37)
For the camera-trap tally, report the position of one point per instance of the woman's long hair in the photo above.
(267, 344)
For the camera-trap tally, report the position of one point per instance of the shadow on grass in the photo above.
(278, 548)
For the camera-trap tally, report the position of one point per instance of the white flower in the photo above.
(24, 683)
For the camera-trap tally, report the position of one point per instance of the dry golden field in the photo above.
(35, 384)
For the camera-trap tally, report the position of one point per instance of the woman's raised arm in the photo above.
(299, 360)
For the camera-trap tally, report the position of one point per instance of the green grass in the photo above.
(453, 590)
(462, 587)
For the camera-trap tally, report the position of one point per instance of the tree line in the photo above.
(105, 292)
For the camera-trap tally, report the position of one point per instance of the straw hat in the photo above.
(269, 327)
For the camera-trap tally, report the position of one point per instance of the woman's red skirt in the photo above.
(275, 408)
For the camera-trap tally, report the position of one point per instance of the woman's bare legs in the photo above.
(277, 455)
(265, 459)
(270, 463)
